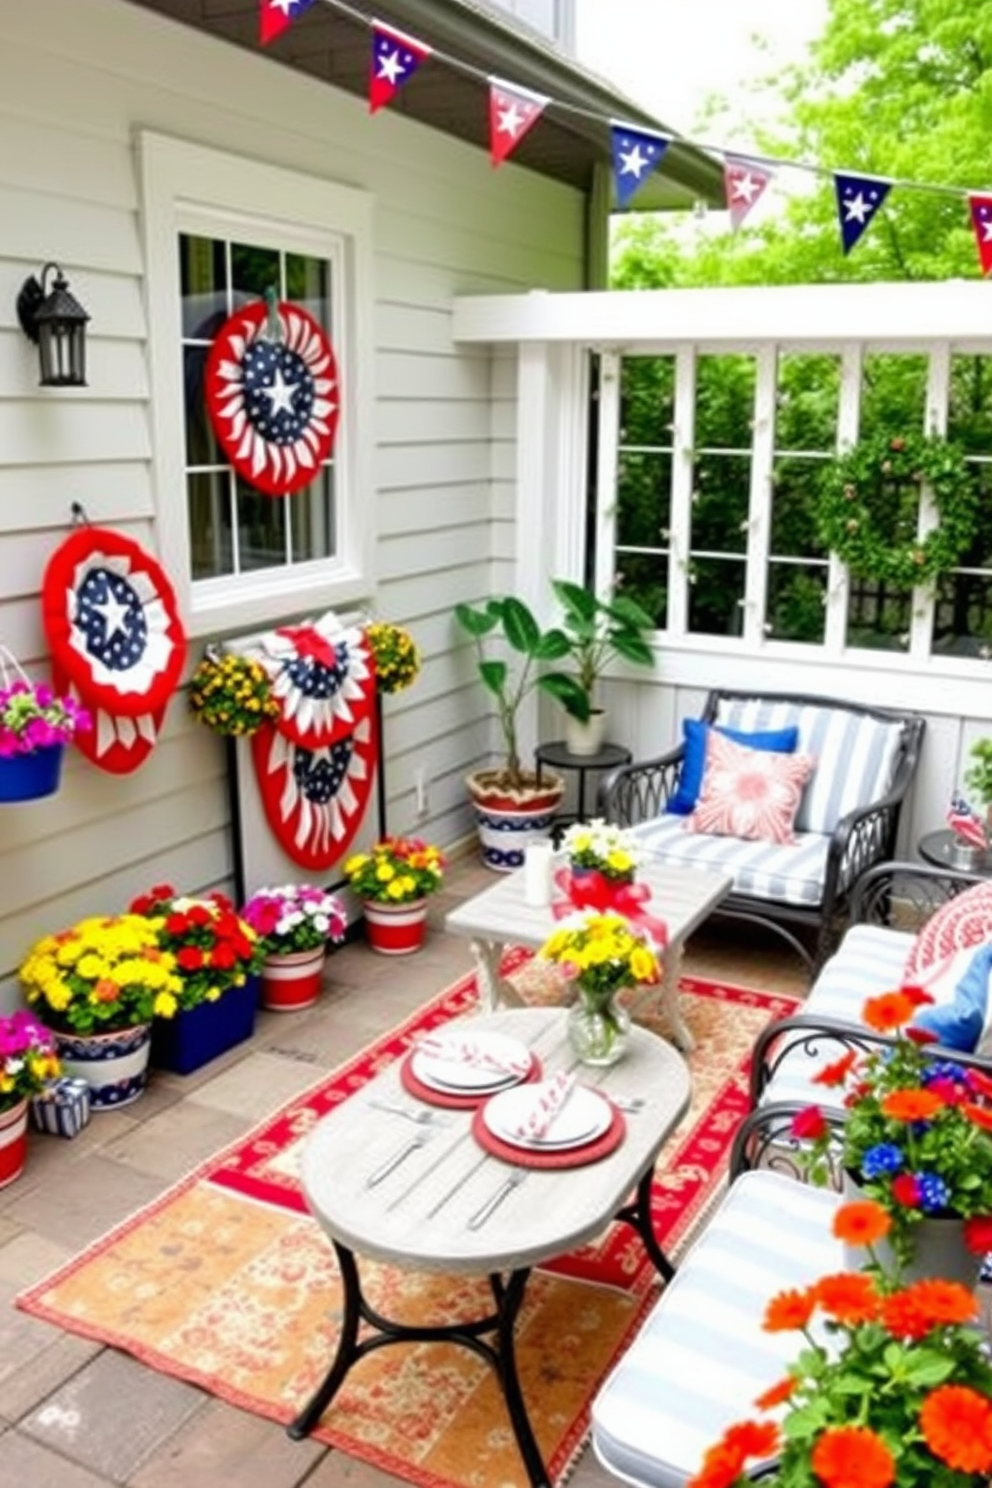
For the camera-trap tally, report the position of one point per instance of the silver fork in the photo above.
(422, 1117)
(628, 1102)
(480, 1216)
(391, 1163)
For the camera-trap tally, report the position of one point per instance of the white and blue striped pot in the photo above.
(114, 1065)
(508, 821)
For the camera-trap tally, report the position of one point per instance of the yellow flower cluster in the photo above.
(397, 870)
(397, 660)
(602, 952)
(102, 974)
(611, 850)
(232, 695)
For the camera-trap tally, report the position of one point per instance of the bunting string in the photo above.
(635, 150)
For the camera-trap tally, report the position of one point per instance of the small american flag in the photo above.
(965, 822)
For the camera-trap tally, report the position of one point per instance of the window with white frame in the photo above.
(718, 462)
(223, 232)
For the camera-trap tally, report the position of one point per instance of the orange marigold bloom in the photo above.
(789, 1310)
(901, 1316)
(957, 1425)
(105, 991)
(888, 1012)
(776, 1394)
(722, 1466)
(852, 1457)
(850, 1297)
(980, 1115)
(912, 1105)
(836, 1073)
(753, 1438)
(861, 1222)
(943, 1301)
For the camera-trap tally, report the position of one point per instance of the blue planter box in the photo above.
(28, 777)
(193, 1037)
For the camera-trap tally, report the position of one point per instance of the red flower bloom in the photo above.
(809, 1124)
(889, 1011)
(852, 1457)
(921, 1035)
(906, 1190)
(978, 1114)
(957, 1424)
(223, 957)
(198, 914)
(189, 958)
(836, 1073)
(978, 1234)
(177, 925)
(916, 996)
(776, 1394)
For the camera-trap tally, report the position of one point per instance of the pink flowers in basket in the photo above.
(295, 917)
(33, 717)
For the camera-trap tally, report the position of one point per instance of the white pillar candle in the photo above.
(537, 873)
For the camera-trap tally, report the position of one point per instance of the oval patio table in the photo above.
(442, 1203)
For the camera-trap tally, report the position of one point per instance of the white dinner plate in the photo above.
(455, 1076)
(585, 1116)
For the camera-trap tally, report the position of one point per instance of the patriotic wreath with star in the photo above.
(273, 399)
(315, 764)
(869, 507)
(116, 640)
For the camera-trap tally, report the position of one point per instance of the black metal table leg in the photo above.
(638, 1215)
(508, 1297)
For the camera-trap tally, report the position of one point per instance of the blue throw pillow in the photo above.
(961, 1024)
(777, 741)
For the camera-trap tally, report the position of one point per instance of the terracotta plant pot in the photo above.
(508, 820)
(395, 929)
(292, 980)
(13, 1142)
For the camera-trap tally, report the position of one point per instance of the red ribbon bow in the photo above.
(591, 890)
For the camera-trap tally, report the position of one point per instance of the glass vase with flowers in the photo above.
(892, 1387)
(601, 954)
(917, 1134)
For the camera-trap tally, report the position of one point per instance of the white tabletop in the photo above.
(680, 896)
(418, 1216)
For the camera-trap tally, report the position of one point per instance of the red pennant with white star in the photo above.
(116, 639)
(395, 58)
(512, 112)
(272, 395)
(743, 182)
(980, 208)
(276, 16)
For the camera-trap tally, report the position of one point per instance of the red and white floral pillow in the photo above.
(962, 923)
(749, 793)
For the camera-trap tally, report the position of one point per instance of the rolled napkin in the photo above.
(463, 1049)
(549, 1097)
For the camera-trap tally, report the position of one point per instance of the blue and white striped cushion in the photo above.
(869, 961)
(855, 755)
(701, 1356)
(790, 875)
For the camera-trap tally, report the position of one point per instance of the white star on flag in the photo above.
(395, 58)
(276, 17)
(633, 163)
(390, 67)
(513, 110)
(743, 184)
(980, 208)
(858, 200)
(856, 209)
(635, 153)
(280, 394)
(112, 612)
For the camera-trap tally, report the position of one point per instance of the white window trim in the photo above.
(185, 186)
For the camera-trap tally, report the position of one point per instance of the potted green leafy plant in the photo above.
(978, 776)
(598, 631)
(512, 652)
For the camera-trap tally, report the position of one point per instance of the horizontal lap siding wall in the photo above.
(76, 84)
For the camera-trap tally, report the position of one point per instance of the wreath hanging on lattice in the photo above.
(869, 505)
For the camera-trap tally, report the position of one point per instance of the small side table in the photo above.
(944, 849)
(559, 757)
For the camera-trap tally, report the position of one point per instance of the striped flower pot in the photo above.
(292, 979)
(13, 1142)
(395, 929)
(114, 1065)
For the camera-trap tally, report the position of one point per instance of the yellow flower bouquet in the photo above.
(398, 870)
(102, 974)
(601, 954)
(232, 695)
(397, 660)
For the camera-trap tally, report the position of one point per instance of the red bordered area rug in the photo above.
(226, 1282)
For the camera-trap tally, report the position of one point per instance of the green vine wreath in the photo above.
(869, 507)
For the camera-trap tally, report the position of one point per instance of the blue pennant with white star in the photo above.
(858, 199)
(636, 154)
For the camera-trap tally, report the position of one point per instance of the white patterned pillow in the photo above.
(963, 923)
(752, 794)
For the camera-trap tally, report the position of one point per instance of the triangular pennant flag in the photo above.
(858, 199)
(512, 111)
(743, 183)
(276, 16)
(981, 220)
(635, 152)
(395, 58)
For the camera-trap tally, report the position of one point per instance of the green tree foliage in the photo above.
(895, 88)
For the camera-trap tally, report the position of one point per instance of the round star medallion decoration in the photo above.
(314, 799)
(272, 395)
(116, 639)
(322, 677)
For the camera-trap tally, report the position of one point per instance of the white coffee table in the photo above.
(440, 1202)
(500, 916)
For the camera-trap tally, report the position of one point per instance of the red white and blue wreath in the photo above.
(315, 766)
(272, 395)
(116, 639)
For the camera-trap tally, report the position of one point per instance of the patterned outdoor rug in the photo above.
(226, 1282)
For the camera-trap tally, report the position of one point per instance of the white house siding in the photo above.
(77, 81)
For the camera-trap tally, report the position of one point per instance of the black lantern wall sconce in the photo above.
(56, 321)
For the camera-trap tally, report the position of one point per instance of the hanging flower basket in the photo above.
(29, 777)
(35, 726)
